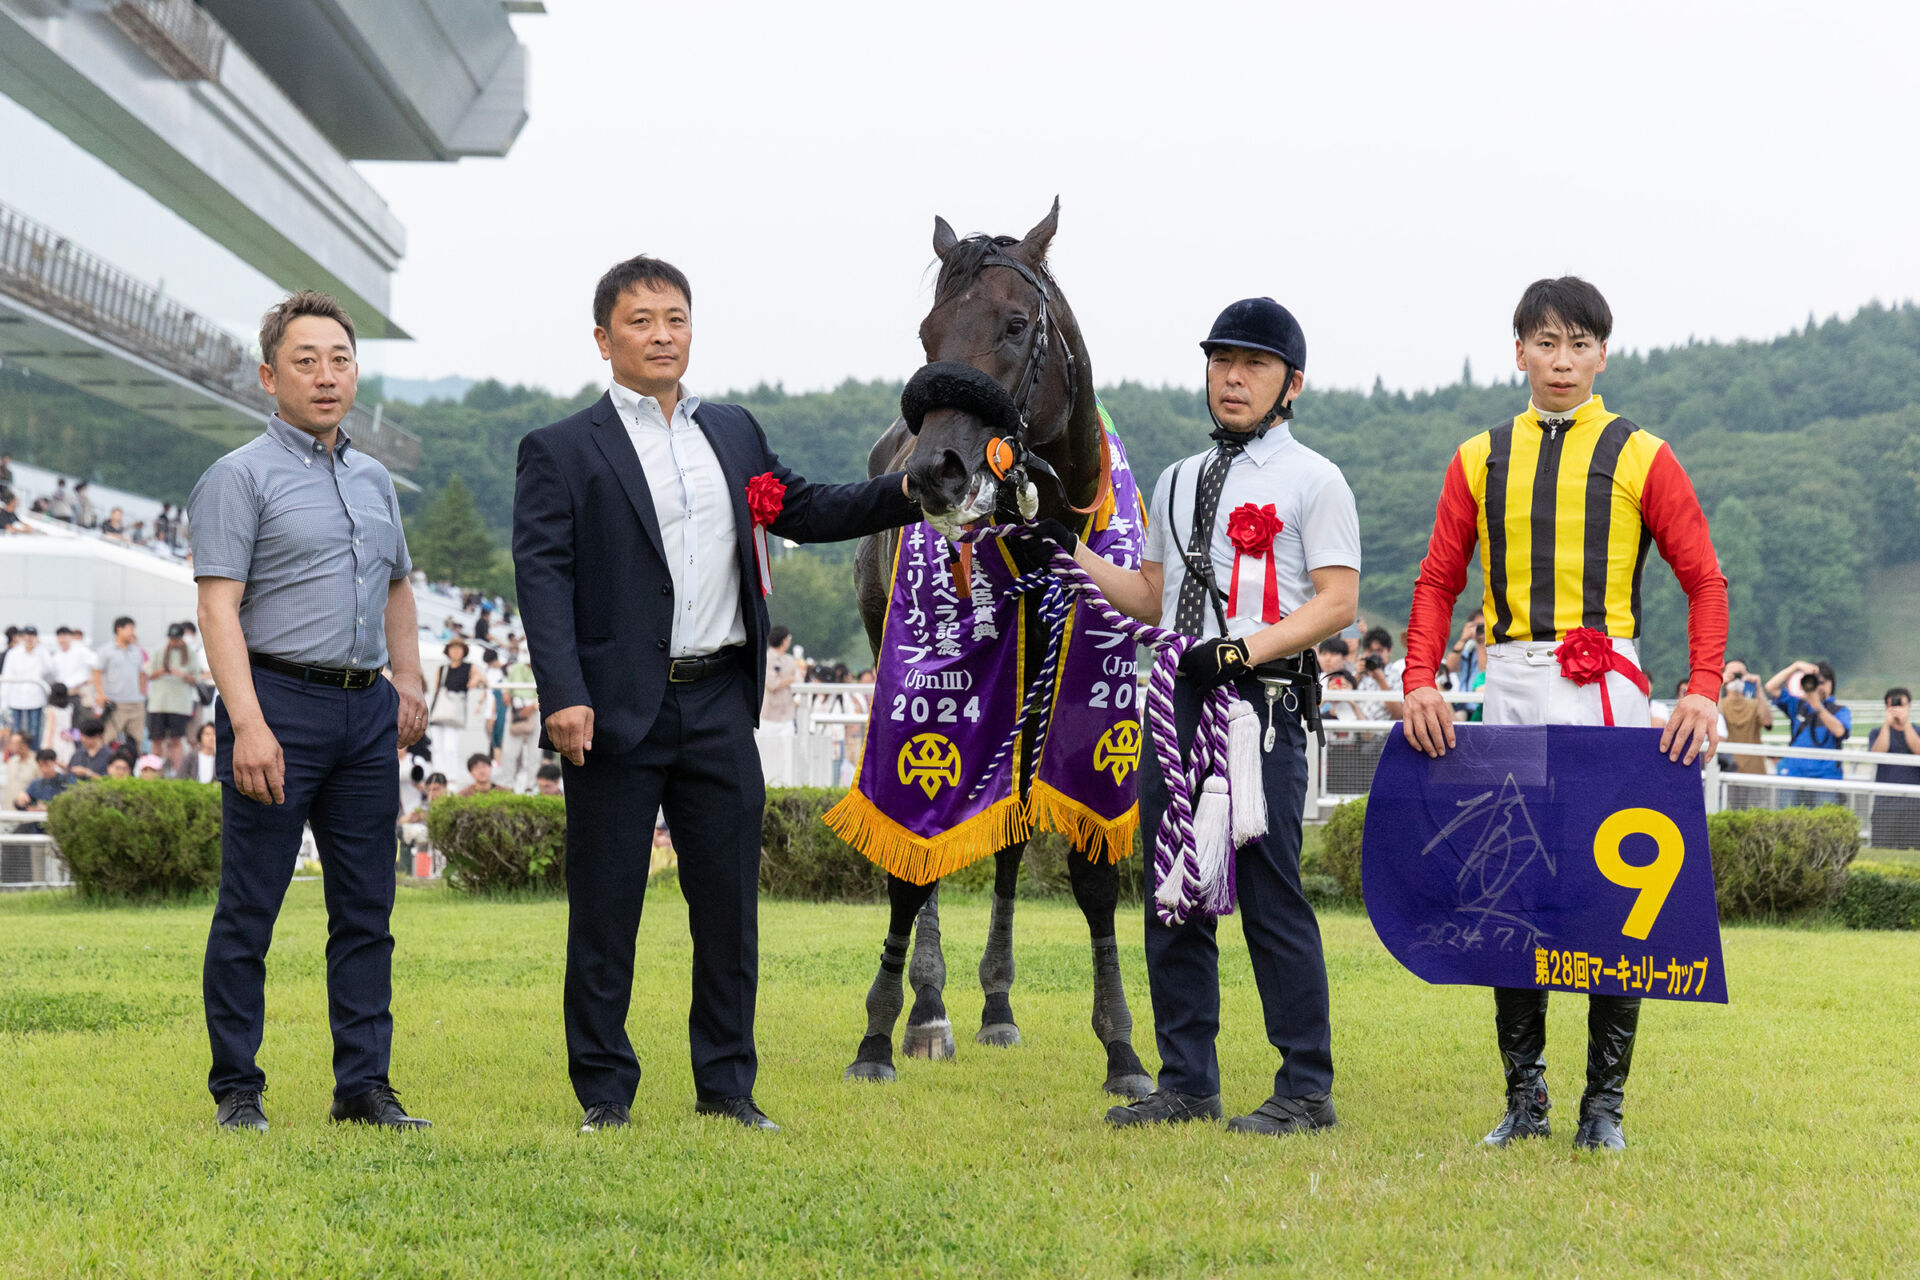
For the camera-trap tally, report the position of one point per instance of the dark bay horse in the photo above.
(997, 309)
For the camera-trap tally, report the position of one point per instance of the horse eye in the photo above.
(1016, 326)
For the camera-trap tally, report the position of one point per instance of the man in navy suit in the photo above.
(639, 587)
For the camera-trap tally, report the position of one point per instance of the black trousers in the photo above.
(339, 747)
(1283, 935)
(700, 764)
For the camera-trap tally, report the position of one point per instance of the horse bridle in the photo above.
(1035, 368)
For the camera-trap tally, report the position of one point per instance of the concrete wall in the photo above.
(54, 581)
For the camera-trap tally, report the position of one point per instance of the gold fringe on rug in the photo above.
(923, 859)
(1053, 810)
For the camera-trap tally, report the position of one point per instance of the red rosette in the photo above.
(1585, 655)
(1252, 529)
(766, 495)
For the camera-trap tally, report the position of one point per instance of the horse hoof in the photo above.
(1129, 1086)
(1001, 1035)
(930, 1040)
(877, 1072)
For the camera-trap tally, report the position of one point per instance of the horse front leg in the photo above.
(929, 1033)
(885, 999)
(1096, 887)
(996, 963)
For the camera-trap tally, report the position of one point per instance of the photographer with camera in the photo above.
(1804, 690)
(1378, 674)
(173, 691)
(1748, 715)
(1896, 819)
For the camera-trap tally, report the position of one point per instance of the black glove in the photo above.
(1212, 663)
(1033, 548)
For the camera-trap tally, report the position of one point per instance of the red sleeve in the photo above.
(1672, 514)
(1443, 574)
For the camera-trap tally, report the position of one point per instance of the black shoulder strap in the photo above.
(1203, 568)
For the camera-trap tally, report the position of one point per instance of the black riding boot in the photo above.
(1520, 1021)
(1611, 1024)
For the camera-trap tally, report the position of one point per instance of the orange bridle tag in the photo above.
(999, 457)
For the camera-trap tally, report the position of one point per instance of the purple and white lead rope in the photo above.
(1180, 886)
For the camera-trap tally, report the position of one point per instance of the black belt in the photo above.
(687, 670)
(337, 677)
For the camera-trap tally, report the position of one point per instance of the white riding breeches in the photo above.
(1524, 686)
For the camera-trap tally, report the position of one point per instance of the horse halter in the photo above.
(1003, 454)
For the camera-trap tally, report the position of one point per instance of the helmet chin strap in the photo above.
(1281, 410)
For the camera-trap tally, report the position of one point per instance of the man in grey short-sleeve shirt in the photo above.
(1293, 514)
(302, 568)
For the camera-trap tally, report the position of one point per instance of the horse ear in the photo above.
(1033, 249)
(943, 237)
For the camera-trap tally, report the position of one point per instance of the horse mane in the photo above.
(966, 260)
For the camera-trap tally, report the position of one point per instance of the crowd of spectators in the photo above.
(167, 536)
(76, 714)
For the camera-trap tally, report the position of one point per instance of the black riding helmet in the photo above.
(1260, 324)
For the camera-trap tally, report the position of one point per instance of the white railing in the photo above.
(28, 859)
(177, 34)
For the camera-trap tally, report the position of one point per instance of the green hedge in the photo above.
(1879, 896)
(501, 842)
(1780, 862)
(800, 858)
(1339, 848)
(506, 843)
(139, 837)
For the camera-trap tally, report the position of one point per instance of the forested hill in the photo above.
(1805, 451)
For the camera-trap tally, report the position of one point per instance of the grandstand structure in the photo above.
(244, 119)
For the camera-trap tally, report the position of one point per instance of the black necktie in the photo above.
(1188, 615)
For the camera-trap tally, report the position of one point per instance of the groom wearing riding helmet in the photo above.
(1563, 500)
(1293, 566)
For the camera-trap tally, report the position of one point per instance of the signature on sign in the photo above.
(1503, 848)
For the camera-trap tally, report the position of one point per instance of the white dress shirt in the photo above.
(25, 673)
(74, 666)
(695, 512)
(1319, 527)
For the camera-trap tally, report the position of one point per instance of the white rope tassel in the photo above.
(1172, 893)
(1243, 773)
(1211, 819)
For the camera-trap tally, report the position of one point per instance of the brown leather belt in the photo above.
(336, 677)
(688, 670)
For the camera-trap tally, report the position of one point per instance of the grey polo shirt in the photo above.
(1319, 527)
(120, 672)
(317, 540)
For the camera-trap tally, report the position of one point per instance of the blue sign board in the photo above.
(1551, 856)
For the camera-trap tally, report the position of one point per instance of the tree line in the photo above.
(1805, 450)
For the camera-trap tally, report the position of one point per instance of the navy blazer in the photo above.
(596, 598)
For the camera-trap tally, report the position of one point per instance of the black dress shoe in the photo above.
(241, 1110)
(605, 1115)
(1164, 1106)
(1277, 1116)
(740, 1110)
(1526, 1117)
(1600, 1130)
(379, 1105)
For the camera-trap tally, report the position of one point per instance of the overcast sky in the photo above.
(1394, 173)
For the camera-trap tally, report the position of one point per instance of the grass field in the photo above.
(1775, 1136)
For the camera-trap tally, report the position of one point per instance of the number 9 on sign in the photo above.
(1655, 879)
